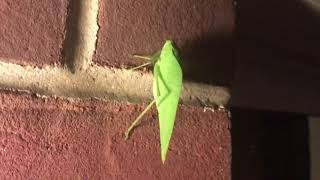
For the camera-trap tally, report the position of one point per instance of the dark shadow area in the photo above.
(269, 145)
(277, 58)
(209, 60)
(289, 25)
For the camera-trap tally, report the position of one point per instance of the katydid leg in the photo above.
(149, 58)
(136, 121)
(163, 95)
(153, 58)
(143, 65)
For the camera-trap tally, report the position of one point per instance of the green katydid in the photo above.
(167, 84)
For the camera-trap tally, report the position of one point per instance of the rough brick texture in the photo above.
(49, 138)
(32, 32)
(202, 30)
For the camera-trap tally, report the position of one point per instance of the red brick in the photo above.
(32, 32)
(202, 30)
(53, 139)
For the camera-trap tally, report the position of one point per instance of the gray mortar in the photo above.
(100, 82)
(81, 34)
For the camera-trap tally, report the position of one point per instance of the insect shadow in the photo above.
(209, 60)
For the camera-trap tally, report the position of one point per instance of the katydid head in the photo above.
(169, 52)
(169, 49)
(169, 46)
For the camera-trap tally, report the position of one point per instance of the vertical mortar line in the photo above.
(81, 34)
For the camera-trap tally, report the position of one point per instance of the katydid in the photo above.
(167, 84)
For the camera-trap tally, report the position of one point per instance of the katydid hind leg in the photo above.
(161, 96)
(157, 79)
(137, 120)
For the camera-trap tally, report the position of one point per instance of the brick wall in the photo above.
(67, 98)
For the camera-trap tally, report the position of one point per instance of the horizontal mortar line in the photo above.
(100, 82)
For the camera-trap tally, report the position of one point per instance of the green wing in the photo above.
(166, 90)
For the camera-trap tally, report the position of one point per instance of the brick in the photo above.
(202, 30)
(32, 32)
(52, 138)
